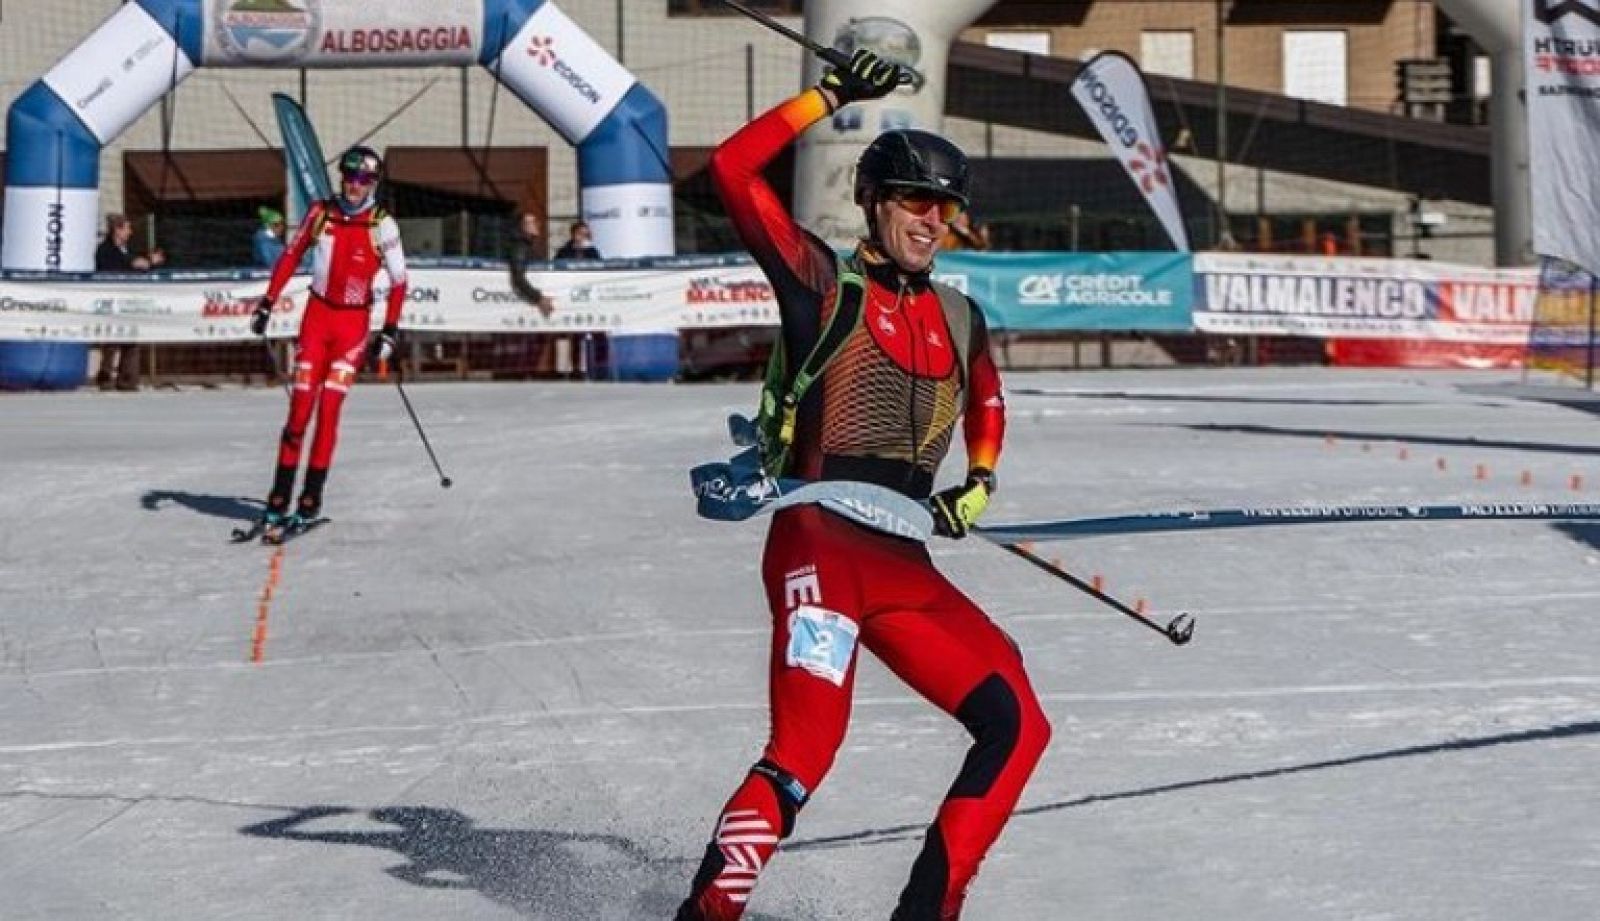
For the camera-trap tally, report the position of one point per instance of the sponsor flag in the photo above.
(308, 174)
(1111, 91)
(1561, 45)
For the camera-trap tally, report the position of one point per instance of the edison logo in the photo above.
(542, 48)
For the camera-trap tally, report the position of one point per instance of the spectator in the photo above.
(113, 254)
(269, 239)
(526, 248)
(579, 245)
(119, 362)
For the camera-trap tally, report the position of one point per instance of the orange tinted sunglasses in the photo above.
(920, 203)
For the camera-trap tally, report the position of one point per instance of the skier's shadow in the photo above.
(908, 832)
(559, 876)
(235, 508)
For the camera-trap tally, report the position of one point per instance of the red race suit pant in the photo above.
(332, 344)
(832, 585)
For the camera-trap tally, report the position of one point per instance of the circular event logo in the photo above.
(887, 38)
(266, 30)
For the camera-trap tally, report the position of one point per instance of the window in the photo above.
(1482, 77)
(1026, 42)
(715, 8)
(1315, 66)
(1170, 54)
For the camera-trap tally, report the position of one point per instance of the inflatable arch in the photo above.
(57, 127)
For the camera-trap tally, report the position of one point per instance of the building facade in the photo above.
(466, 155)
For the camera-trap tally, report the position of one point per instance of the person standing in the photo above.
(902, 359)
(268, 242)
(526, 248)
(119, 363)
(580, 243)
(350, 238)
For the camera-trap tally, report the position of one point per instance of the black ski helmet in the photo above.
(360, 159)
(910, 158)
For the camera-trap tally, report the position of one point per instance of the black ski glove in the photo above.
(956, 510)
(867, 77)
(383, 345)
(259, 318)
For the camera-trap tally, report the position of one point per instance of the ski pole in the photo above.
(277, 369)
(1179, 630)
(833, 56)
(444, 481)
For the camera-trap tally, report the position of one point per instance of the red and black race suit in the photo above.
(883, 412)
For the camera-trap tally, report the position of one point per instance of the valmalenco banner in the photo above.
(1562, 53)
(1111, 90)
(1338, 298)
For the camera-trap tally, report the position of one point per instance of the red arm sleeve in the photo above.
(289, 259)
(783, 249)
(985, 424)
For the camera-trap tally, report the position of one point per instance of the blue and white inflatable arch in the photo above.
(56, 129)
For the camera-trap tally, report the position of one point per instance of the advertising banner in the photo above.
(118, 71)
(1561, 41)
(1234, 294)
(555, 67)
(69, 218)
(1075, 291)
(216, 307)
(342, 33)
(631, 217)
(1245, 294)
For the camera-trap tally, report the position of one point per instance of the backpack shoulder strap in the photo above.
(958, 316)
(324, 213)
(784, 387)
(850, 297)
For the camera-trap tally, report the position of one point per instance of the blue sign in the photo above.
(1075, 291)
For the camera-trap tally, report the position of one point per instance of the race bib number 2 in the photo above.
(822, 642)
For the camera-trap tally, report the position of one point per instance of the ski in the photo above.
(295, 528)
(246, 535)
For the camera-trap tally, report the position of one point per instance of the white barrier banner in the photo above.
(449, 300)
(1362, 299)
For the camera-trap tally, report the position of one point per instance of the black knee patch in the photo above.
(993, 715)
(291, 438)
(792, 794)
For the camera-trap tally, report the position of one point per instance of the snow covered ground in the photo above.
(527, 696)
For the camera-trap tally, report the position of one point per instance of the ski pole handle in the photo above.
(833, 56)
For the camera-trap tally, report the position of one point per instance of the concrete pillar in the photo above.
(1497, 26)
